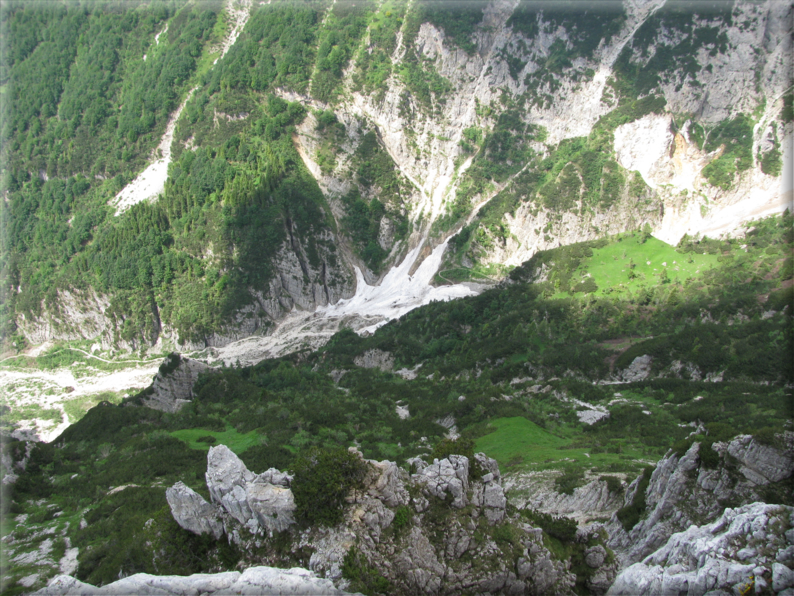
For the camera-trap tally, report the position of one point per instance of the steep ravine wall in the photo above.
(748, 75)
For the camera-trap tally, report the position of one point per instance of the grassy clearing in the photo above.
(230, 437)
(518, 437)
(518, 442)
(629, 264)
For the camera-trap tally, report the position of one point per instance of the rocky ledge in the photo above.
(262, 581)
(749, 550)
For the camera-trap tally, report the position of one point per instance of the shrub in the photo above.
(708, 457)
(459, 446)
(323, 478)
(566, 483)
(170, 364)
(614, 485)
(402, 517)
(629, 516)
(561, 528)
(362, 576)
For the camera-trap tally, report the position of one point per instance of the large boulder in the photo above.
(259, 502)
(273, 506)
(192, 511)
(225, 471)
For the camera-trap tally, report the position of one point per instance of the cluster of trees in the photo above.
(81, 96)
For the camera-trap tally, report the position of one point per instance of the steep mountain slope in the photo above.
(534, 125)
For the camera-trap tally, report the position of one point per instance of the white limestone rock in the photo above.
(449, 476)
(273, 506)
(704, 559)
(192, 512)
(225, 471)
(259, 581)
(375, 359)
(761, 463)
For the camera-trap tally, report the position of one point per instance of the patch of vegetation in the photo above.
(339, 37)
(630, 515)
(202, 439)
(363, 577)
(735, 137)
(373, 63)
(323, 479)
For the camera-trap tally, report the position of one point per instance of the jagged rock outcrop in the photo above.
(593, 500)
(172, 387)
(450, 476)
(192, 512)
(694, 488)
(254, 580)
(440, 530)
(638, 370)
(262, 503)
(746, 550)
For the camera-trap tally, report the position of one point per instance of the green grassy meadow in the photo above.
(520, 443)
(611, 266)
(234, 440)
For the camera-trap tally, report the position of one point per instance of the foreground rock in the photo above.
(255, 580)
(260, 503)
(747, 550)
(695, 488)
(192, 512)
(445, 529)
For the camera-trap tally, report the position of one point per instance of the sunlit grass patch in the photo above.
(628, 264)
(519, 443)
(234, 440)
(76, 408)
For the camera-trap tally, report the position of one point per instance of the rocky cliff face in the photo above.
(695, 487)
(172, 386)
(746, 550)
(436, 531)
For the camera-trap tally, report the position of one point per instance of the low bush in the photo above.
(629, 516)
(323, 478)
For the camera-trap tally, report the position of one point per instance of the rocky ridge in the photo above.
(436, 531)
(694, 488)
(746, 550)
(254, 580)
